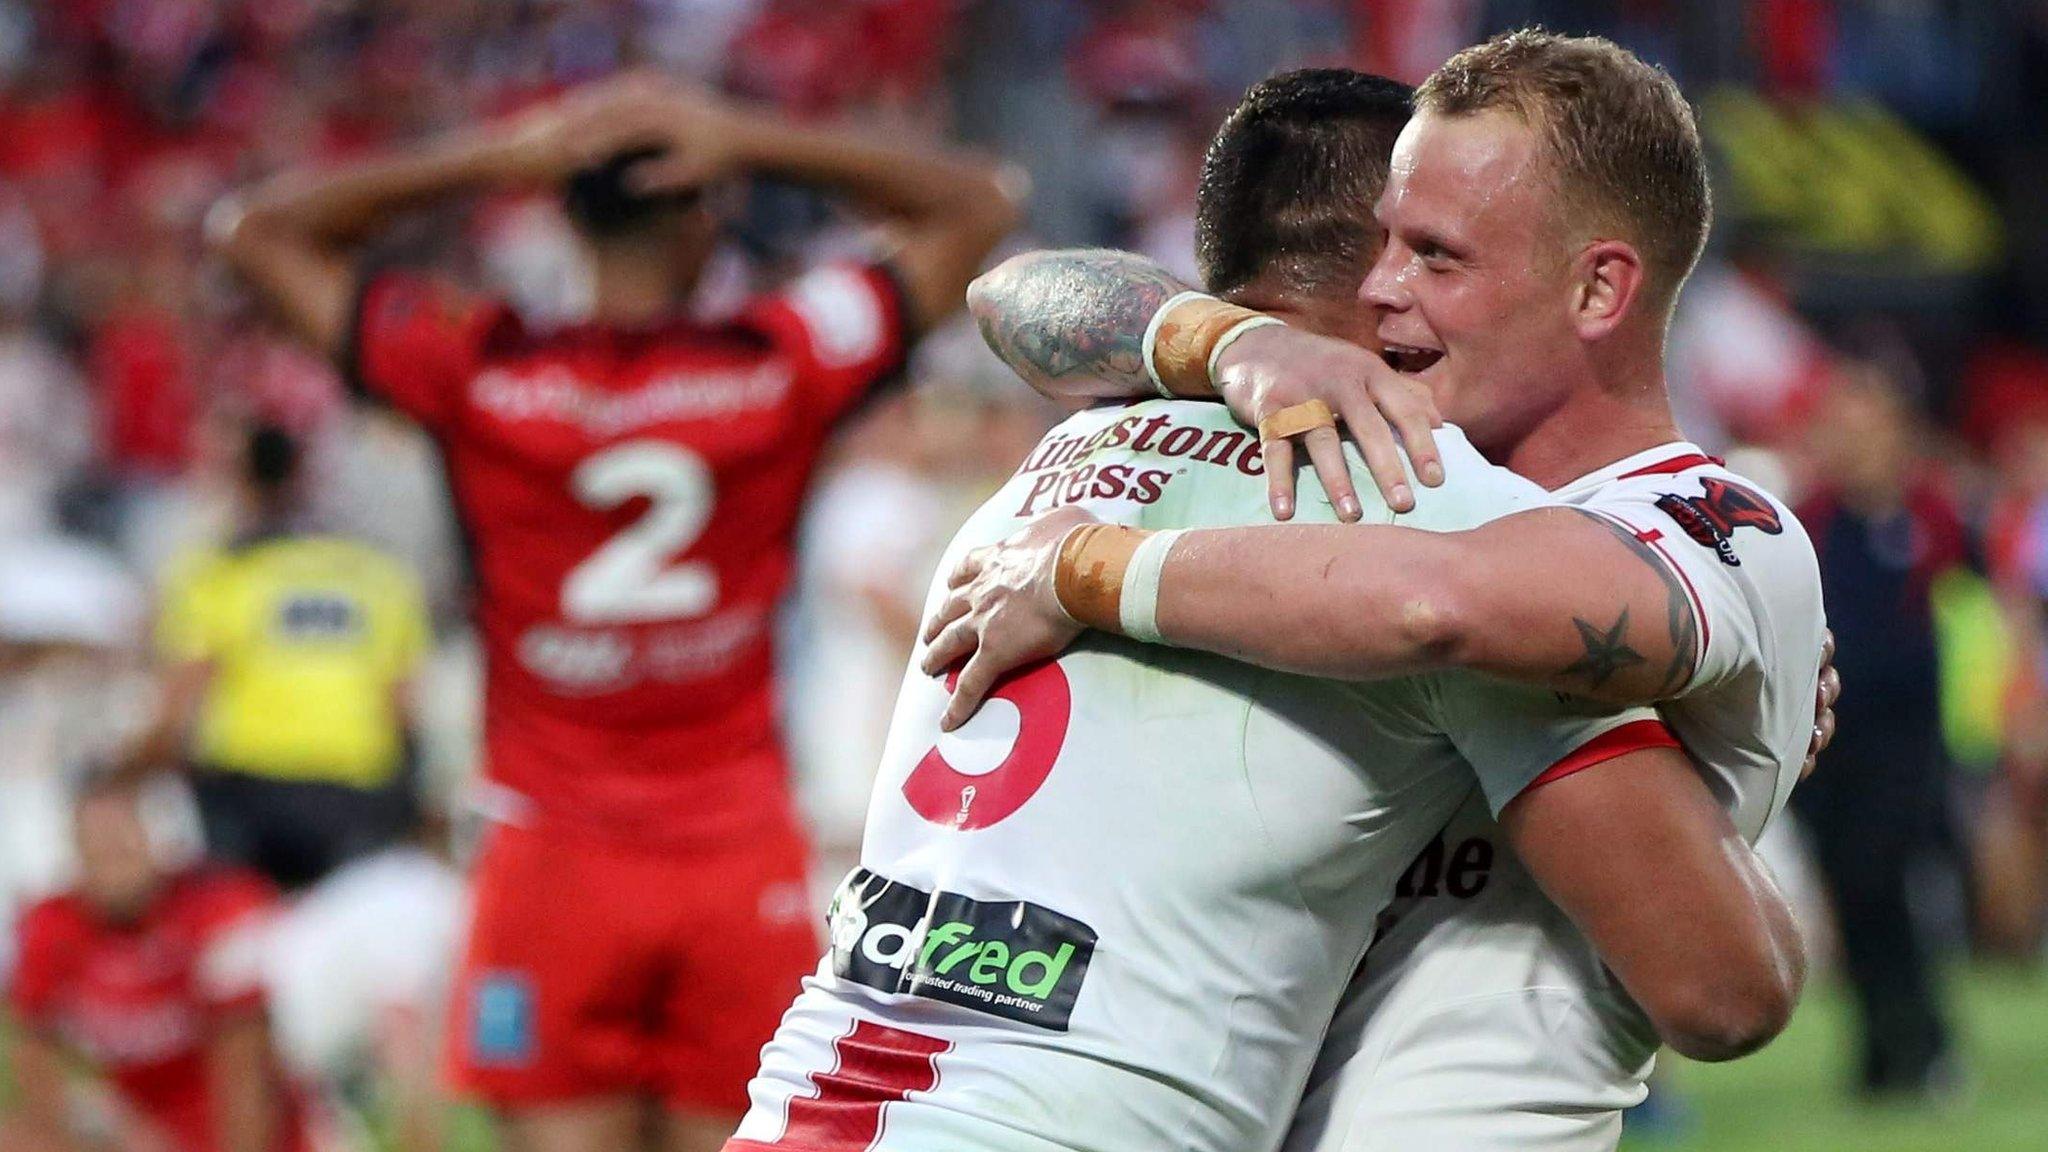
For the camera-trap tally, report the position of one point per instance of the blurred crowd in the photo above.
(1869, 333)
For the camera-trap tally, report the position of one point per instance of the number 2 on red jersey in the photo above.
(629, 579)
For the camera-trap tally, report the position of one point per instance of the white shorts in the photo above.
(1481, 1021)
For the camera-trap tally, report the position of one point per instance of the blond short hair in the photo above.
(1624, 150)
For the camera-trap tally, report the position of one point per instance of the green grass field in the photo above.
(1792, 1097)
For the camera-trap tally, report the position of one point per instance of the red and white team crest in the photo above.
(1712, 517)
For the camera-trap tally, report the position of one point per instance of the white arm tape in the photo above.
(1152, 337)
(1230, 337)
(1138, 610)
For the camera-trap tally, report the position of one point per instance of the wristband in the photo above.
(1139, 611)
(1150, 346)
(1088, 581)
(1228, 338)
(1181, 338)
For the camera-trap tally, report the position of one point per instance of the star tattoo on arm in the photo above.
(1607, 650)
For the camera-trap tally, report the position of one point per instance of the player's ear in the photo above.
(1607, 278)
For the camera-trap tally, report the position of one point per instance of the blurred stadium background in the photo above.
(1869, 333)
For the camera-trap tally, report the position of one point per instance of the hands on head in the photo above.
(697, 134)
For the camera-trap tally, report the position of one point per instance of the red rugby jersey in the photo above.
(630, 497)
(140, 1000)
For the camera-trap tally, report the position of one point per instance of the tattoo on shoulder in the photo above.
(1606, 646)
(1075, 313)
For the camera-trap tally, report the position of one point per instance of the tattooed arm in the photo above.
(1557, 597)
(1072, 322)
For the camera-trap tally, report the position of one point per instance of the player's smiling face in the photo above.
(1470, 292)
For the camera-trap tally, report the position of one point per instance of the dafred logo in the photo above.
(1008, 958)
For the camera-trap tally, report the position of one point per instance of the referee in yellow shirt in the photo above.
(288, 662)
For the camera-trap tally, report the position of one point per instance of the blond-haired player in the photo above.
(1541, 211)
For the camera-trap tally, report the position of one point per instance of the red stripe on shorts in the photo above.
(873, 1066)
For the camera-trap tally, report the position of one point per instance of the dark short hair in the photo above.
(601, 202)
(1289, 182)
(272, 457)
(1624, 150)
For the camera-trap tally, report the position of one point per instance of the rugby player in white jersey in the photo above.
(1115, 912)
(1482, 1019)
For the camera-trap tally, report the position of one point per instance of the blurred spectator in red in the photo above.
(819, 59)
(142, 368)
(150, 971)
(1407, 39)
(1142, 56)
(1794, 40)
(1744, 365)
(1883, 529)
(1142, 67)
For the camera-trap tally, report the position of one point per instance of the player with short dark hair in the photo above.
(630, 488)
(1283, 178)
(1050, 899)
(1728, 600)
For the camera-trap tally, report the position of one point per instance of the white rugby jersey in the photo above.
(1483, 1019)
(1115, 909)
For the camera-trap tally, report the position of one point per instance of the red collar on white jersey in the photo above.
(1663, 460)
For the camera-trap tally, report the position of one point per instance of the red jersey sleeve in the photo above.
(844, 326)
(415, 340)
(46, 937)
(232, 913)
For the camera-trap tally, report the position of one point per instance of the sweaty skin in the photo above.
(1556, 597)
(1399, 600)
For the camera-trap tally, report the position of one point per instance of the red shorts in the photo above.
(596, 969)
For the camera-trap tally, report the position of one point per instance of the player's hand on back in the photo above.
(1274, 368)
(1000, 612)
(1824, 697)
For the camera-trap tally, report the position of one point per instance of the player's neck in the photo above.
(1593, 428)
(634, 292)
